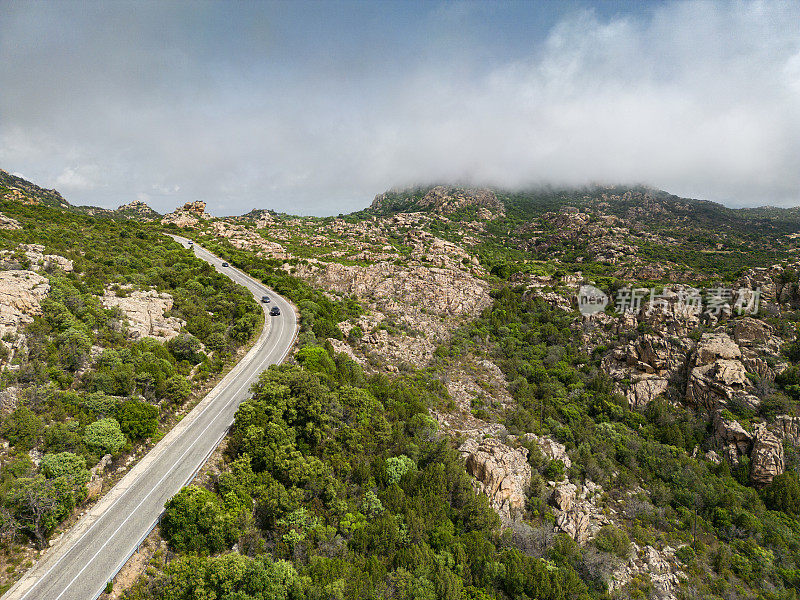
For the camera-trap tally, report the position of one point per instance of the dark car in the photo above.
(225, 265)
(265, 299)
(274, 311)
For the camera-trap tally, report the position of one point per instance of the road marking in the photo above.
(196, 419)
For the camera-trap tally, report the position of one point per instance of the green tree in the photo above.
(185, 347)
(22, 428)
(137, 419)
(178, 388)
(195, 521)
(64, 464)
(104, 435)
(784, 493)
(397, 466)
(34, 501)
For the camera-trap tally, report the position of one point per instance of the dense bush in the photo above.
(104, 435)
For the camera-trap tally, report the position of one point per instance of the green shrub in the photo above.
(613, 540)
(64, 463)
(137, 419)
(104, 435)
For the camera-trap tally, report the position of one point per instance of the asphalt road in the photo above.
(95, 549)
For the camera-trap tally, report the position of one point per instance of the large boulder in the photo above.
(500, 472)
(766, 457)
(733, 440)
(718, 374)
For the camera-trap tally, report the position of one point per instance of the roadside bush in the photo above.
(137, 419)
(104, 435)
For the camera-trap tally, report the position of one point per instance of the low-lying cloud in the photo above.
(173, 104)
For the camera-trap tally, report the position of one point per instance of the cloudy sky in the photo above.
(314, 108)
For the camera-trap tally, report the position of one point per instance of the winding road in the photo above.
(78, 566)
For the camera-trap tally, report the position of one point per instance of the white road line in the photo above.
(196, 419)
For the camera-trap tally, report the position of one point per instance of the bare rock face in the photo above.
(188, 215)
(731, 437)
(718, 374)
(425, 301)
(564, 495)
(94, 488)
(40, 260)
(749, 331)
(577, 512)
(501, 472)
(660, 566)
(643, 367)
(246, 239)
(788, 428)
(714, 346)
(766, 458)
(145, 313)
(9, 223)
(21, 293)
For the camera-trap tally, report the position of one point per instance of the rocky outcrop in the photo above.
(577, 511)
(418, 306)
(718, 375)
(145, 313)
(787, 428)
(551, 449)
(731, 438)
(446, 200)
(137, 210)
(48, 262)
(244, 238)
(9, 223)
(660, 566)
(500, 472)
(20, 190)
(766, 457)
(21, 293)
(189, 215)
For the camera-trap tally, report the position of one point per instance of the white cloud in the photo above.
(78, 179)
(700, 99)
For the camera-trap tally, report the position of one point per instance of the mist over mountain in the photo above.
(316, 107)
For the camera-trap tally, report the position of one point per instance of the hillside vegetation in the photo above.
(450, 425)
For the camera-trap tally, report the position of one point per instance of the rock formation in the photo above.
(21, 293)
(501, 472)
(766, 457)
(137, 210)
(9, 223)
(145, 313)
(188, 215)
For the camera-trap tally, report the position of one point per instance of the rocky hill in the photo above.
(561, 393)
(16, 189)
(137, 210)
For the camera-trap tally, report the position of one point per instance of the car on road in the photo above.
(225, 264)
(265, 299)
(275, 311)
